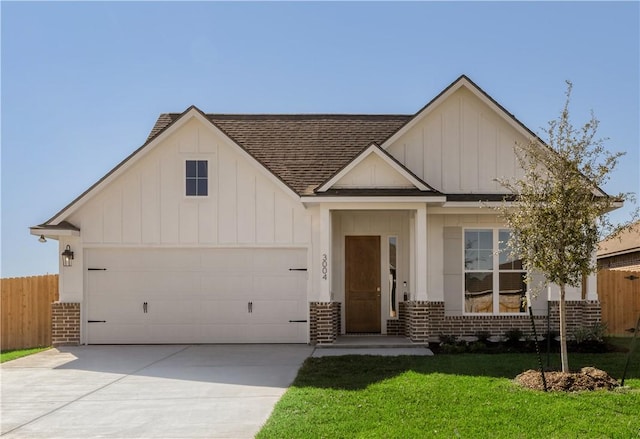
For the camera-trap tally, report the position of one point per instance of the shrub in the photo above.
(447, 339)
(483, 336)
(513, 336)
(590, 333)
(478, 347)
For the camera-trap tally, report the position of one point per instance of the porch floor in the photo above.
(385, 345)
(374, 341)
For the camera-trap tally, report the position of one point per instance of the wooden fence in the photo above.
(619, 294)
(26, 311)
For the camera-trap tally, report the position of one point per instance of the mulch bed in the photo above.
(588, 378)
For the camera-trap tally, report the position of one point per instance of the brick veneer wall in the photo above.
(397, 326)
(65, 324)
(324, 322)
(427, 320)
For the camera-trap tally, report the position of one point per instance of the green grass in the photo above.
(18, 353)
(449, 396)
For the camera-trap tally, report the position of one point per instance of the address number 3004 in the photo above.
(324, 266)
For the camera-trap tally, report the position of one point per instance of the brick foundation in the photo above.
(423, 321)
(427, 320)
(324, 322)
(65, 324)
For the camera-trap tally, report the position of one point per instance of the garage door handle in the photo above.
(297, 269)
(297, 321)
(250, 307)
(145, 306)
(96, 321)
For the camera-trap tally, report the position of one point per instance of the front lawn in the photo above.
(18, 353)
(449, 396)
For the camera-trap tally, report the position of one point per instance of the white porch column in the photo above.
(420, 291)
(324, 268)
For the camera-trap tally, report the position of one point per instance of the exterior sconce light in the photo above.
(42, 239)
(67, 257)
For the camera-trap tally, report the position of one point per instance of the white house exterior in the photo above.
(300, 228)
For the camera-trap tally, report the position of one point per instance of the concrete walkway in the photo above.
(166, 391)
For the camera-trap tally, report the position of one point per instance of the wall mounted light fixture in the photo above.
(67, 257)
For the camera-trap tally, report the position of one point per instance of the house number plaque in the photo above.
(324, 266)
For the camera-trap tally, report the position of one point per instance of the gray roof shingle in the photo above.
(302, 150)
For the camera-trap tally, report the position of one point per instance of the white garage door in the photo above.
(196, 296)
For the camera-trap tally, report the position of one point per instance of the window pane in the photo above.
(478, 292)
(471, 259)
(191, 168)
(512, 292)
(191, 186)
(485, 260)
(486, 239)
(202, 187)
(202, 168)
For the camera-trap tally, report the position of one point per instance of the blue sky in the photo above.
(83, 82)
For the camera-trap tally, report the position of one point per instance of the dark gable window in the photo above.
(197, 182)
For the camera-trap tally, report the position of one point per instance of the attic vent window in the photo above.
(197, 180)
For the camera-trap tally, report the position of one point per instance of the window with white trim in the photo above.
(197, 178)
(494, 280)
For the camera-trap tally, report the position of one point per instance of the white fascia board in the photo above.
(373, 200)
(462, 82)
(373, 149)
(124, 165)
(53, 233)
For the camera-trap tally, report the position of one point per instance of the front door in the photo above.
(362, 284)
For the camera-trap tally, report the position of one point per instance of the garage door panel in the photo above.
(276, 286)
(225, 312)
(280, 311)
(121, 311)
(229, 285)
(118, 333)
(197, 295)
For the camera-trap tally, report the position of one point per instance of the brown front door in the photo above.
(362, 283)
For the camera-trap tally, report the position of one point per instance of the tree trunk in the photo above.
(563, 331)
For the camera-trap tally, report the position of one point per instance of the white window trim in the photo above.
(184, 178)
(495, 270)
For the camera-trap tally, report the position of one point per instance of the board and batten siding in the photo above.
(373, 172)
(461, 146)
(146, 205)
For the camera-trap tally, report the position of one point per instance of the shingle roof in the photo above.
(626, 242)
(302, 150)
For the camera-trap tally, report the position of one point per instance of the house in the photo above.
(621, 252)
(298, 228)
(619, 281)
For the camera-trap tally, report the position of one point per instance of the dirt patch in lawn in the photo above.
(588, 378)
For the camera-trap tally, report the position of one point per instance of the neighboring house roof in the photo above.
(626, 242)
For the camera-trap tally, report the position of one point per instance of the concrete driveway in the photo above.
(167, 391)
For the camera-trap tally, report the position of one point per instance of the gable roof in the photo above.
(303, 150)
(388, 159)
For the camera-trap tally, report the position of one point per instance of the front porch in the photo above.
(421, 322)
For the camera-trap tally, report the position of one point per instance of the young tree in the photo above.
(559, 213)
